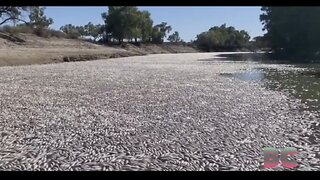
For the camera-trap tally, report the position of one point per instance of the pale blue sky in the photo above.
(188, 21)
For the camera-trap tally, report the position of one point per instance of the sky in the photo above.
(188, 21)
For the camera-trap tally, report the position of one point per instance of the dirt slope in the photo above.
(26, 49)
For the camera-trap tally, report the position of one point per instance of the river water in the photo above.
(300, 81)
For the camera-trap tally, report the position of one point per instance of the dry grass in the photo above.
(28, 56)
(38, 50)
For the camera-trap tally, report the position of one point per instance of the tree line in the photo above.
(222, 38)
(291, 31)
(123, 23)
(129, 23)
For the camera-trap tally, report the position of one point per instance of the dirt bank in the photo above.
(26, 49)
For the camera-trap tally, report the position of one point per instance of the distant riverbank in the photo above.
(38, 50)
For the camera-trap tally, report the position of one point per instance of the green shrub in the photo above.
(42, 32)
(17, 29)
(6, 28)
(23, 29)
(46, 33)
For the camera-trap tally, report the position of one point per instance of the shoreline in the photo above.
(37, 50)
(40, 59)
(35, 55)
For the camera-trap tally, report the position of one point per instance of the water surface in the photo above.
(301, 81)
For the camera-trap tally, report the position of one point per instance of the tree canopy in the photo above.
(120, 23)
(123, 22)
(38, 19)
(95, 31)
(72, 31)
(174, 37)
(12, 13)
(222, 38)
(293, 31)
(160, 31)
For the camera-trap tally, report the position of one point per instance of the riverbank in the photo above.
(29, 49)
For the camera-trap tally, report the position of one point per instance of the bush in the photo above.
(58, 34)
(17, 29)
(5, 28)
(42, 32)
(73, 34)
(222, 38)
(46, 33)
(23, 29)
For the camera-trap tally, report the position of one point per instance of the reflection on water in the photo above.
(252, 75)
(301, 81)
(304, 85)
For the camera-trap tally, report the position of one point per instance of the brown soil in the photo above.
(27, 49)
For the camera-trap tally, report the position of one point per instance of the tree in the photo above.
(160, 31)
(222, 38)
(259, 43)
(114, 22)
(106, 28)
(292, 31)
(95, 31)
(122, 22)
(12, 13)
(174, 37)
(133, 22)
(37, 18)
(72, 31)
(145, 24)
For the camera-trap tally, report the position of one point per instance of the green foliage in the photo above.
(38, 24)
(27, 29)
(293, 31)
(122, 22)
(145, 24)
(48, 33)
(259, 43)
(21, 28)
(12, 13)
(38, 19)
(73, 32)
(96, 31)
(160, 31)
(175, 37)
(222, 38)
